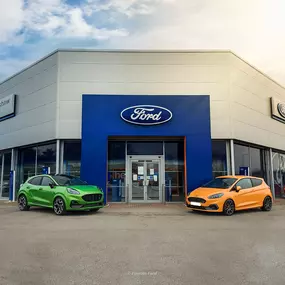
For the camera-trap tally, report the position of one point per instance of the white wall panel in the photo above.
(250, 104)
(36, 90)
(142, 74)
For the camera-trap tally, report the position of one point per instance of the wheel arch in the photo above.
(61, 196)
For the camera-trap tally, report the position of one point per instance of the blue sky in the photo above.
(254, 29)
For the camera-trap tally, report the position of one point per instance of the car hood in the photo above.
(86, 189)
(205, 192)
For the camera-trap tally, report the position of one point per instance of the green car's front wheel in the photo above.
(59, 206)
(23, 203)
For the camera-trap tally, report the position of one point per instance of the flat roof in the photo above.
(140, 51)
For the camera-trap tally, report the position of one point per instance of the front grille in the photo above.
(92, 197)
(196, 199)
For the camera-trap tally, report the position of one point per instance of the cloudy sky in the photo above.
(254, 29)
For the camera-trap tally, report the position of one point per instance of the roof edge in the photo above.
(142, 51)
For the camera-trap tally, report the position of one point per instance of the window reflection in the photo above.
(4, 192)
(219, 158)
(72, 158)
(32, 160)
(116, 171)
(278, 160)
(174, 171)
(248, 156)
(46, 157)
(145, 148)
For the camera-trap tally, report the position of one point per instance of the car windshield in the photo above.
(220, 183)
(66, 180)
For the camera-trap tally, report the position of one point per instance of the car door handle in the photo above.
(40, 188)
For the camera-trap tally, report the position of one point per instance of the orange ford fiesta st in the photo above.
(228, 194)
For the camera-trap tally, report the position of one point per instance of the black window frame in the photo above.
(34, 178)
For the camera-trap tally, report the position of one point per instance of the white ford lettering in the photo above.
(140, 113)
(146, 115)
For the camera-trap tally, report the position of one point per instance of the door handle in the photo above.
(40, 188)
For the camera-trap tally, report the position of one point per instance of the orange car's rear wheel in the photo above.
(229, 207)
(267, 204)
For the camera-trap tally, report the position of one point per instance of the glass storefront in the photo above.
(174, 171)
(278, 161)
(147, 153)
(252, 157)
(34, 159)
(116, 186)
(5, 168)
(219, 158)
(72, 158)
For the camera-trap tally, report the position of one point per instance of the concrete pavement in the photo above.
(141, 245)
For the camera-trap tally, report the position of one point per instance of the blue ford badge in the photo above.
(146, 115)
(281, 109)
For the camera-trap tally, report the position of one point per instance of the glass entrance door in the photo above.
(145, 180)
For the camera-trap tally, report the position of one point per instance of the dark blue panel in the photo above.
(190, 119)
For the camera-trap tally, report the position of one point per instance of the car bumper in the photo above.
(215, 205)
(76, 203)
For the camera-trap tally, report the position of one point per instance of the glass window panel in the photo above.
(244, 183)
(6, 175)
(279, 174)
(116, 171)
(241, 157)
(145, 148)
(219, 158)
(27, 163)
(46, 157)
(36, 180)
(256, 167)
(174, 171)
(46, 181)
(72, 158)
(1, 173)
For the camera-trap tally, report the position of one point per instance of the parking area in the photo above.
(163, 244)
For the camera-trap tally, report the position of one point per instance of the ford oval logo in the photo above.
(146, 115)
(281, 109)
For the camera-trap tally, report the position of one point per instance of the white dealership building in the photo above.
(210, 113)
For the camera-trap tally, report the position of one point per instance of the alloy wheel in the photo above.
(58, 206)
(23, 203)
(229, 207)
(267, 204)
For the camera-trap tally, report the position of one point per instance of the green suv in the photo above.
(61, 193)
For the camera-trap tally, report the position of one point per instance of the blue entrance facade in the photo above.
(105, 116)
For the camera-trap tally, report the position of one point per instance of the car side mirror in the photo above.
(51, 185)
(238, 188)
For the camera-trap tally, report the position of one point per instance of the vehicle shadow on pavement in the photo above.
(243, 212)
(69, 213)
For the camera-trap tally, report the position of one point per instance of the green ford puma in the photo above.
(61, 193)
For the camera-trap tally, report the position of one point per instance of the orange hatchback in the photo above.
(228, 194)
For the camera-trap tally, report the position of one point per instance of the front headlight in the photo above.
(216, 196)
(72, 191)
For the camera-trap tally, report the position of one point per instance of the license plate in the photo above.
(195, 203)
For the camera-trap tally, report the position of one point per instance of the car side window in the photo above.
(46, 181)
(244, 183)
(256, 182)
(35, 181)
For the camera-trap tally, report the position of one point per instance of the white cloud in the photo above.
(11, 18)
(253, 29)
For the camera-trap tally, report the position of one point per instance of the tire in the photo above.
(59, 206)
(23, 203)
(229, 207)
(267, 204)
